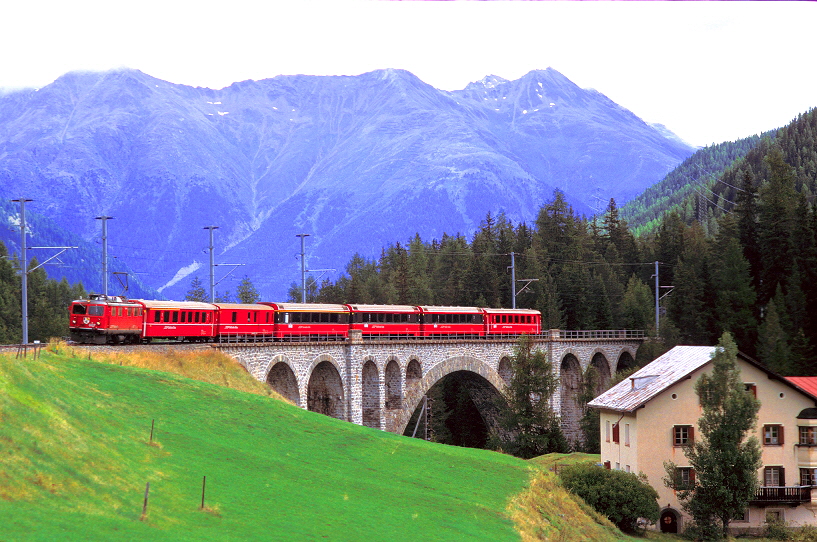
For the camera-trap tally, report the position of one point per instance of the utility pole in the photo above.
(657, 298)
(24, 265)
(303, 266)
(104, 220)
(212, 265)
(513, 281)
(527, 282)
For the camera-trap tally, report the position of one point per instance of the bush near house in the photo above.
(620, 496)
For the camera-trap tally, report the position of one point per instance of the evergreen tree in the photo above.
(732, 283)
(247, 292)
(531, 427)
(589, 423)
(196, 291)
(773, 343)
(637, 305)
(724, 456)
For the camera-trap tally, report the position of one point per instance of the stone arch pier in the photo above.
(380, 383)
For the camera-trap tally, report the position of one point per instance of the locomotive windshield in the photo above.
(96, 310)
(78, 309)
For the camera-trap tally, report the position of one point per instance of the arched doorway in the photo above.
(282, 380)
(570, 383)
(325, 391)
(371, 395)
(669, 521)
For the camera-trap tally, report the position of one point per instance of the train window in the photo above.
(334, 317)
(325, 317)
(342, 318)
(234, 317)
(156, 316)
(254, 316)
(266, 313)
(78, 309)
(249, 317)
(196, 316)
(175, 316)
(184, 316)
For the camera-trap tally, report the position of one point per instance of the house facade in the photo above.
(650, 417)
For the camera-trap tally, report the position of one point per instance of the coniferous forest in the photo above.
(738, 254)
(47, 302)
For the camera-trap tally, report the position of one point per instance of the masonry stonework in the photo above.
(380, 383)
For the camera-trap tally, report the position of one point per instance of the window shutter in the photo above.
(780, 435)
(615, 432)
(691, 476)
(607, 465)
(691, 435)
(782, 476)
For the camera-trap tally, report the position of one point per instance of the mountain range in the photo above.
(357, 162)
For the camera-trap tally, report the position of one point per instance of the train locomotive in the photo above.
(118, 320)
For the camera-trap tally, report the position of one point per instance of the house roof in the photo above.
(654, 378)
(674, 366)
(806, 383)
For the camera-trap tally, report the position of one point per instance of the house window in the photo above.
(774, 476)
(808, 477)
(808, 436)
(751, 388)
(627, 434)
(774, 516)
(684, 477)
(607, 431)
(683, 435)
(615, 434)
(772, 435)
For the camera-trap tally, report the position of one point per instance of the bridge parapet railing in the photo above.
(596, 334)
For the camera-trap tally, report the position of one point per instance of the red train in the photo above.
(112, 319)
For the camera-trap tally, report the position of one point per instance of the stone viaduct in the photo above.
(380, 383)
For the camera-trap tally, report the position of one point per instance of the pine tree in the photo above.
(531, 426)
(724, 456)
(196, 291)
(247, 292)
(732, 283)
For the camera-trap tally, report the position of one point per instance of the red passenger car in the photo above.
(244, 322)
(513, 321)
(180, 320)
(452, 322)
(310, 321)
(105, 319)
(384, 321)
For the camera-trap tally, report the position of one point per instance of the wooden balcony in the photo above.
(791, 495)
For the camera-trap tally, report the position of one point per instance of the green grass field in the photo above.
(75, 458)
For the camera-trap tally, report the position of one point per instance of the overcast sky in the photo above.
(709, 71)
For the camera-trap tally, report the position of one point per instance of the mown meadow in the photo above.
(76, 454)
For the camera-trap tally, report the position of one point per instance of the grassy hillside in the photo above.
(74, 436)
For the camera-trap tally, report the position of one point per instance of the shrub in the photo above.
(620, 496)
